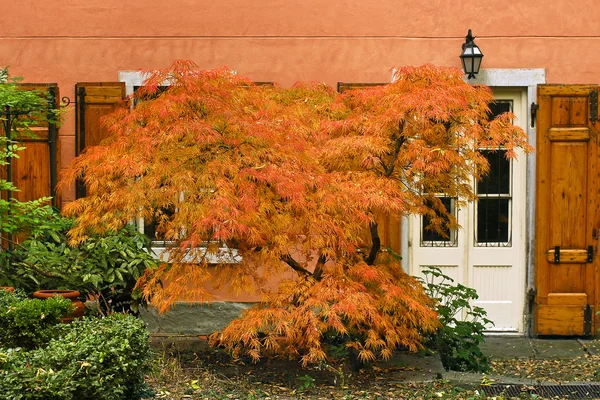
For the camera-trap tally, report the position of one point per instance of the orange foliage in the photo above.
(289, 178)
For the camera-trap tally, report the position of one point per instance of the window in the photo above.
(494, 194)
(445, 238)
(160, 246)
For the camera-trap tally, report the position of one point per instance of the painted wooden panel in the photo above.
(95, 101)
(568, 256)
(560, 320)
(567, 210)
(569, 134)
(451, 271)
(31, 170)
(572, 299)
(496, 295)
(101, 98)
(495, 269)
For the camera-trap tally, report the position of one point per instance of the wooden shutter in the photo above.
(567, 210)
(35, 170)
(95, 100)
(389, 226)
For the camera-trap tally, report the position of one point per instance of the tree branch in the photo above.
(318, 273)
(295, 265)
(399, 142)
(376, 246)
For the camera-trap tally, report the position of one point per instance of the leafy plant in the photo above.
(306, 382)
(30, 324)
(463, 324)
(23, 109)
(106, 266)
(95, 359)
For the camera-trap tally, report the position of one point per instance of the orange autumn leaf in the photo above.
(285, 181)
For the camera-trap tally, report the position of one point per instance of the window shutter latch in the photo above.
(593, 105)
(534, 109)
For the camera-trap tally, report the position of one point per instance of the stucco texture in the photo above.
(283, 41)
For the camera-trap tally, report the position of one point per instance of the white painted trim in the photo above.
(131, 79)
(528, 78)
(404, 243)
(224, 255)
(509, 77)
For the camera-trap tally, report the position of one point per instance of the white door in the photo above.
(488, 252)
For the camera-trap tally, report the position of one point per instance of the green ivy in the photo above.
(463, 324)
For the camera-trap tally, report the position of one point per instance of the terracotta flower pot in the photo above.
(72, 295)
(7, 288)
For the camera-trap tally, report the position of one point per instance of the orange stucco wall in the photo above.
(69, 41)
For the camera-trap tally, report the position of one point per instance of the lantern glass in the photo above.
(471, 56)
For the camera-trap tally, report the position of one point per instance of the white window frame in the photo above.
(161, 249)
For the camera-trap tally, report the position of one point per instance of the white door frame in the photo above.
(526, 79)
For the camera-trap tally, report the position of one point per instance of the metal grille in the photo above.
(591, 391)
(493, 211)
(430, 238)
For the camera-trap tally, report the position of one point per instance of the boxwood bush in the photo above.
(30, 323)
(91, 358)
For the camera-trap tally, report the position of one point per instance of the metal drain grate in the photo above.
(591, 391)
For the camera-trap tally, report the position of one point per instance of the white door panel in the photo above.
(489, 251)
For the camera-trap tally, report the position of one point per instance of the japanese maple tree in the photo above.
(266, 183)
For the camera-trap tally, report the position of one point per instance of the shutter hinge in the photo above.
(587, 321)
(534, 109)
(593, 105)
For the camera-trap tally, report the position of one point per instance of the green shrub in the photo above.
(463, 325)
(30, 323)
(95, 359)
(106, 266)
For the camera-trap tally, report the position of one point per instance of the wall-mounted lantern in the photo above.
(471, 56)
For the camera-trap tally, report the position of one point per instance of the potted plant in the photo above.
(72, 295)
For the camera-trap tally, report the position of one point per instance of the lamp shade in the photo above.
(471, 56)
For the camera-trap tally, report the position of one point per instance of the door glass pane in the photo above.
(498, 180)
(493, 209)
(493, 221)
(499, 107)
(433, 238)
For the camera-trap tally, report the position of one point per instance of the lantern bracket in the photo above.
(534, 109)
